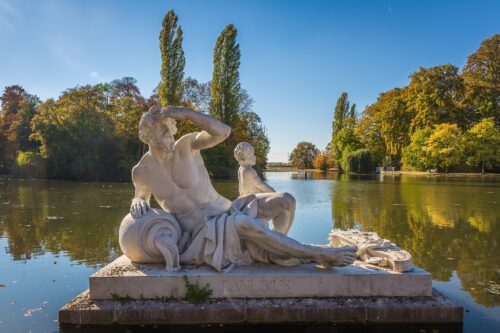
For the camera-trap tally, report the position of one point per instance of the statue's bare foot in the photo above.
(341, 256)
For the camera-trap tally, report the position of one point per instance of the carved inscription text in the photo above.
(257, 286)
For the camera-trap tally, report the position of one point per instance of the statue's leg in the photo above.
(280, 207)
(249, 228)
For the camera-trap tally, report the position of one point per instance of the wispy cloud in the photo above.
(94, 75)
(389, 8)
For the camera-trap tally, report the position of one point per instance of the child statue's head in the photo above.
(244, 154)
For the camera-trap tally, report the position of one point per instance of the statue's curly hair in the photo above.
(240, 149)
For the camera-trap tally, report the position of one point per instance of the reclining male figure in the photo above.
(174, 172)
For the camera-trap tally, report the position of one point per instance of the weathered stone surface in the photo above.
(204, 227)
(404, 310)
(123, 278)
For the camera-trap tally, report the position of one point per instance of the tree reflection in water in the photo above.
(447, 224)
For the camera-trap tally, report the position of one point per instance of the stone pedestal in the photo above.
(124, 278)
(83, 311)
(259, 294)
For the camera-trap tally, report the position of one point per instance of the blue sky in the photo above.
(297, 56)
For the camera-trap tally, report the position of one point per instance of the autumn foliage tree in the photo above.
(445, 146)
(322, 161)
(303, 155)
(17, 109)
(434, 96)
(481, 77)
(438, 101)
(483, 145)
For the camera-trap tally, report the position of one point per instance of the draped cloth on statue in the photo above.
(217, 243)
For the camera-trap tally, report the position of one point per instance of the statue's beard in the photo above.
(167, 144)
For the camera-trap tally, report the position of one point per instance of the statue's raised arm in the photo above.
(213, 131)
(198, 225)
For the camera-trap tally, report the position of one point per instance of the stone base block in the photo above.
(437, 309)
(123, 278)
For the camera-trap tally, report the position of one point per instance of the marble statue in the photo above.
(211, 230)
(372, 249)
(276, 206)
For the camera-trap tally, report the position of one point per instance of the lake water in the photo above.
(54, 234)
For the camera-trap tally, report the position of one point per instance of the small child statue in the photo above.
(276, 206)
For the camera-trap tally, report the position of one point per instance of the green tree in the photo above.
(197, 93)
(481, 76)
(125, 87)
(29, 165)
(171, 87)
(126, 108)
(255, 133)
(77, 135)
(340, 113)
(483, 145)
(351, 118)
(414, 157)
(321, 161)
(368, 130)
(303, 155)
(225, 85)
(344, 122)
(434, 97)
(445, 146)
(17, 109)
(346, 142)
(246, 128)
(384, 126)
(395, 122)
(232, 105)
(358, 161)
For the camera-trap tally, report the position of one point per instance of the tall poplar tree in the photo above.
(340, 118)
(340, 113)
(225, 85)
(171, 88)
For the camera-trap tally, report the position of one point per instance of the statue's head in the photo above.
(157, 130)
(244, 154)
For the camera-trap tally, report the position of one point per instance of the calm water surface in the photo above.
(54, 234)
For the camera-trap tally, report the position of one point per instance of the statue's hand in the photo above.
(139, 208)
(175, 112)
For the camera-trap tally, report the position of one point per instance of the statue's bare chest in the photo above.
(175, 180)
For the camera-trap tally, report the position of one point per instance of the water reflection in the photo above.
(449, 225)
(78, 219)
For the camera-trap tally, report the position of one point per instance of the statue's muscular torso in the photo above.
(180, 184)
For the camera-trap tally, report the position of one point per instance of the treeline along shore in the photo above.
(443, 120)
(90, 133)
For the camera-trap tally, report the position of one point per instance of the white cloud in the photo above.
(94, 75)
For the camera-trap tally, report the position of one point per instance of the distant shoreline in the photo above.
(392, 173)
(449, 174)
